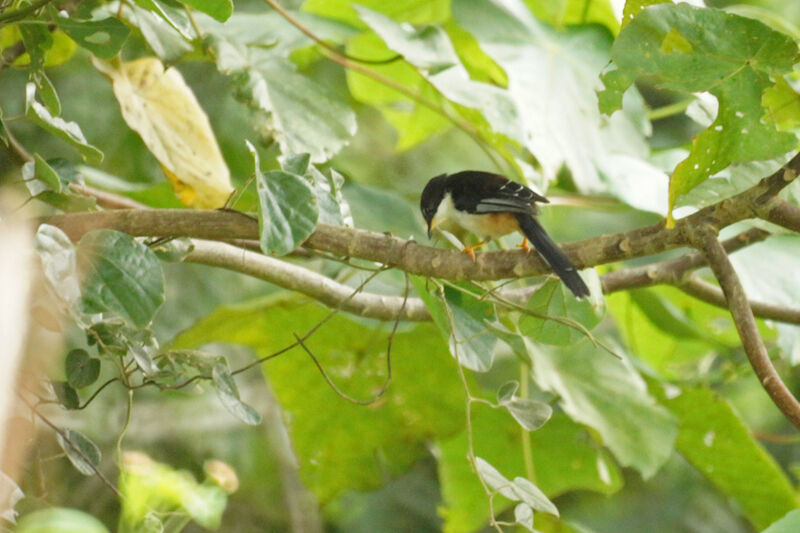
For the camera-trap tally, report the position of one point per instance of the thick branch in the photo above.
(784, 214)
(302, 280)
(702, 290)
(706, 240)
(446, 264)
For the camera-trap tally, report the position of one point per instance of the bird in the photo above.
(490, 206)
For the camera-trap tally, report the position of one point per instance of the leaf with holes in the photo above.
(103, 38)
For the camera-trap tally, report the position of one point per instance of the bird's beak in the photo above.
(429, 231)
(431, 225)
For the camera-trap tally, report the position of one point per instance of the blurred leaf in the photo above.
(59, 520)
(82, 452)
(692, 49)
(149, 488)
(608, 395)
(66, 394)
(333, 208)
(174, 250)
(530, 494)
(412, 11)
(552, 299)
(782, 105)
(103, 38)
(573, 462)
(634, 7)
(381, 210)
(67, 131)
(288, 210)
(494, 479)
(39, 176)
(665, 316)
(37, 40)
(530, 414)
(161, 28)
(158, 105)
(228, 394)
(790, 523)
(123, 277)
(302, 115)
(351, 447)
(714, 440)
(49, 182)
(59, 262)
(82, 370)
(143, 347)
(462, 320)
(523, 514)
(220, 10)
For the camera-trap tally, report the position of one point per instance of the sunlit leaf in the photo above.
(221, 10)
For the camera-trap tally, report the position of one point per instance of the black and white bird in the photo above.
(490, 206)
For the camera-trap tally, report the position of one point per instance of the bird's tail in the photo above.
(554, 256)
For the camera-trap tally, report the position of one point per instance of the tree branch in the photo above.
(427, 261)
(784, 214)
(304, 281)
(705, 239)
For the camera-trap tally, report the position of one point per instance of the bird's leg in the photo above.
(524, 245)
(470, 250)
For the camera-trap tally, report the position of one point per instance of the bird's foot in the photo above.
(524, 245)
(470, 250)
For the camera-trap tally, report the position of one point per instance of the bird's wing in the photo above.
(484, 192)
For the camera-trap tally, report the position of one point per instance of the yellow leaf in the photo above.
(159, 106)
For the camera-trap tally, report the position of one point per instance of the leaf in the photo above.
(333, 208)
(530, 494)
(158, 105)
(143, 347)
(81, 369)
(37, 40)
(66, 394)
(82, 452)
(287, 212)
(302, 115)
(59, 262)
(412, 11)
(39, 176)
(691, 49)
(462, 320)
(574, 462)
(161, 28)
(553, 300)
(782, 105)
(530, 414)
(220, 10)
(59, 520)
(494, 479)
(608, 395)
(788, 524)
(47, 92)
(103, 38)
(228, 394)
(560, 124)
(123, 277)
(67, 131)
(351, 447)
(523, 514)
(714, 440)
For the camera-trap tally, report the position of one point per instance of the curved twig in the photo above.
(705, 239)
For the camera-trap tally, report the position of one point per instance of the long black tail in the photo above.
(554, 256)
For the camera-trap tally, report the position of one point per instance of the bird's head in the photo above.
(430, 200)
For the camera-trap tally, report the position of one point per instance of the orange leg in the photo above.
(524, 245)
(470, 250)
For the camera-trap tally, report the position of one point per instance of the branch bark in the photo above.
(705, 239)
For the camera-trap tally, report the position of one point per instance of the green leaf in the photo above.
(351, 447)
(82, 370)
(684, 48)
(40, 177)
(59, 520)
(47, 92)
(714, 440)
(529, 493)
(220, 10)
(788, 524)
(66, 394)
(574, 462)
(123, 277)
(530, 414)
(412, 11)
(82, 452)
(103, 38)
(59, 262)
(287, 212)
(554, 300)
(302, 115)
(608, 395)
(228, 394)
(49, 182)
(67, 131)
(333, 208)
(462, 320)
(37, 40)
(162, 28)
